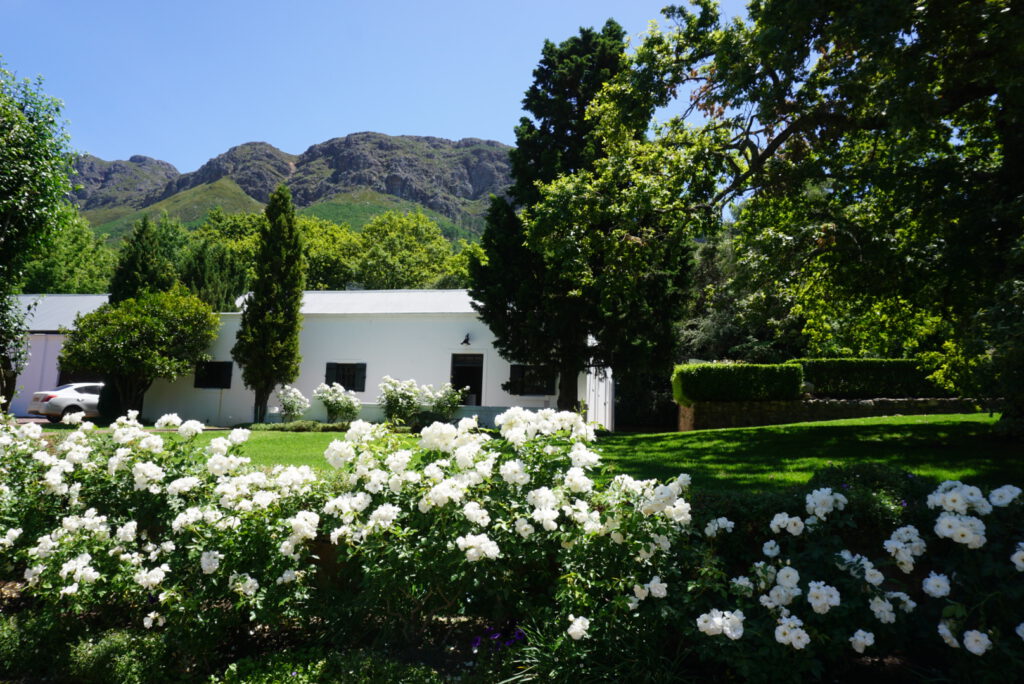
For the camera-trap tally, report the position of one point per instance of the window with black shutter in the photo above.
(213, 375)
(526, 380)
(351, 376)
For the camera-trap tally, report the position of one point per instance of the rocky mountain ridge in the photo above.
(453, 178)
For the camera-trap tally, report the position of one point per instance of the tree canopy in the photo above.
(526, 286)
(402, 252)
(35, 164)
(134, 342)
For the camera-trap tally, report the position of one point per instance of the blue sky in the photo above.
(183, 81)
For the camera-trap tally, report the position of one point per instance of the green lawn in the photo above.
(962, 447)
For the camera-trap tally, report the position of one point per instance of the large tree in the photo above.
(35, 164)
(529, 305)
(267, 346)
(134, 342)
(13, 347)
(142, 265)
(875, 146)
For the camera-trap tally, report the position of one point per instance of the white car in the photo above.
(77, 397)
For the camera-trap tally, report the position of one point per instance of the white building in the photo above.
(50, 314)
(357, 337)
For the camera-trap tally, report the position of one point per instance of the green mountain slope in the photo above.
(358, 207)
(190, 206)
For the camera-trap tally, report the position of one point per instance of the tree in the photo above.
(267, 346)
(333, 253)
(212, 271)
(35, 164)
(142, 265)
(879, 142)
(533, 310)
(74, 261)
(133, 342)
(402, 252)
(13, 347)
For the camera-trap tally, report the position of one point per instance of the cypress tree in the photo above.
(267, 345)
(141, 266)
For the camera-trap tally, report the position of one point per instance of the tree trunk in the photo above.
(8, 378)
(259, 409)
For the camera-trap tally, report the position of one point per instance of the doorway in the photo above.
(468, 371)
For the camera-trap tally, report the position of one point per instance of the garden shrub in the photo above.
(300, 426)
(868, 378)
(293, 403)
(629, 579)
(123, 656)
(735, 382)
(342, 405)
(406, 403)
(317, 665)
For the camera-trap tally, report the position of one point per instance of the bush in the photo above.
(735, 382)
(868, 379)
(119, 656)
(300, 426)
(342, 406)
(293, 403)
(626, 580)
(405, 402)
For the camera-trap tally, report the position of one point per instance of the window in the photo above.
(351, 376)
(530, 380)
(213, 375)
(468, 371)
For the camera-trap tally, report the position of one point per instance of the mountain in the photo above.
(347, 179)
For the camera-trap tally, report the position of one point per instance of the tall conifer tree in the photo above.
(522, 299)
(267, 346)
(141, 266)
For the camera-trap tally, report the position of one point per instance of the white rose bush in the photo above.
(342, 405)
(605, 576)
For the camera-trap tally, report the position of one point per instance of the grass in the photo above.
(956, 446)
(959, 447)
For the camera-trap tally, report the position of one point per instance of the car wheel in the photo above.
(67, 411)
(54, 419)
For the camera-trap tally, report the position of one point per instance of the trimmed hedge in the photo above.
(300, 426)
(736, 382)
(868, 379)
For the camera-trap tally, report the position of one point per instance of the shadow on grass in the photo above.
(777, 456)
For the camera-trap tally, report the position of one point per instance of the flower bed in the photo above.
(191, 547)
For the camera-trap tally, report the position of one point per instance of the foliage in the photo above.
(13, 346)
(267, 346)
(293, 403)
(617, 580)
(333, 253)
(738, 310)
(142, 265)
(872, 146)
(538, 310)
(35, 164)
(399, 399)
(867, 378)
(735, 382)
(213, 272)
(74, 261)
(405, 402)
(402, 252)
(133, 342)
(342, 405)
(325, 665)
(300, 426)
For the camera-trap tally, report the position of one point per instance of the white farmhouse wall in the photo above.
(41, 372)
(404, 346)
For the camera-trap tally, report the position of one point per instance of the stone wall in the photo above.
(722, 414)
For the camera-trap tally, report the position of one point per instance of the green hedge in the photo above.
(735, 382)
(868, 379)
